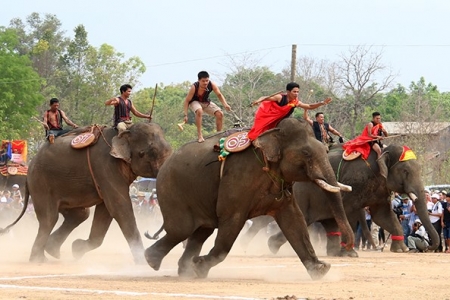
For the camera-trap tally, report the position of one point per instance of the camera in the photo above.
(430, 210)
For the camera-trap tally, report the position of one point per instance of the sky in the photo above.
(177, 38)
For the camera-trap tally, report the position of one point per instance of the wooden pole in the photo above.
(293, 62)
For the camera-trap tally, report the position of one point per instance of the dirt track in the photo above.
(109, 273)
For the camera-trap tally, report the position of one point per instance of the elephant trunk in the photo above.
(422, 212)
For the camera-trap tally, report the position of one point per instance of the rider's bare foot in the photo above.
(201, 139)
(51, 138)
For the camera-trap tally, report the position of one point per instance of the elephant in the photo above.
(197, 194)
(65, 180)
(372, 182)
(6, 182)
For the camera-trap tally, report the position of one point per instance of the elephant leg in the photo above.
(298, 237)
(156, 252)
(100, 224)
(258, 224)
(227, 231)
(47, 217)
(122, 212)
(72, 218)
(386, 219)
(192, 249)
(335, 241)
(276, 241)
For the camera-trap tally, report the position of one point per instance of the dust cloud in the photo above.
(114, 255)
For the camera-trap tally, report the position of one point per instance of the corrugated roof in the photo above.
(415, 127)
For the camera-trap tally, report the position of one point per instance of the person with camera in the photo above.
(435, 215)
(418, 240)
(405, 215)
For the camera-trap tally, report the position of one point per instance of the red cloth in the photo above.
(361, 143)
(268, 115)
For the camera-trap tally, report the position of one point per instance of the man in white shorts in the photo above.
(198, 101)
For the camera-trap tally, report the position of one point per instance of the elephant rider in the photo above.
(198, 101)
(122, 108)
(277, 107)
(322, 130)
(53, 121)
(371, 137)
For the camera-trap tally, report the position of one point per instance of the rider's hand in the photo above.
(341, 140)
(326, 101)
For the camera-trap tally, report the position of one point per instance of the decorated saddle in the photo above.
(86, 136)
(234, 141)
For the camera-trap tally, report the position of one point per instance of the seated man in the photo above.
(371, 137)
(122, 108)
(53, 121)
(321, 129)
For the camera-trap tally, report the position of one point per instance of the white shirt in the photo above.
(436, 209)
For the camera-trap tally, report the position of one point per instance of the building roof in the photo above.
(407, 128)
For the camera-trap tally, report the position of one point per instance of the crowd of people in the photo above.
(11, 203)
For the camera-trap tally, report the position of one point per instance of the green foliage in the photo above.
(19, 91)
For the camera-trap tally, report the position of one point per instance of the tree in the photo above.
(19, 91)
(359, 71)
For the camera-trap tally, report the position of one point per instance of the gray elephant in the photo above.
(372, 183)
(69, 181)
(196, 195)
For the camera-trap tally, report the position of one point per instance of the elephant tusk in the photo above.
(412, 196)
(344, 187)
(326, 186)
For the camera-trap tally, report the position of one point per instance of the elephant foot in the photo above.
(79, 248)
(318, 270)
(53, 250)
(139, 259)
(201, 267)
(154, 261)
(274, 244)
(38, 258)
(186, 272)
(399, 247)
(348, 253)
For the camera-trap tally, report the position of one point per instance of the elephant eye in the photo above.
(306, 153)
(141, 154)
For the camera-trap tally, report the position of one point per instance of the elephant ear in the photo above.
(269, 144)
(383, 162)
(120, 147)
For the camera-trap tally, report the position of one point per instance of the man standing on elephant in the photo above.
(277, 107)
(198, 101)
(53, 121)
(321, 129)
(122, 108)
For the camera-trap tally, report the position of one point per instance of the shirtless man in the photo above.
(53, 121)
(198, 101)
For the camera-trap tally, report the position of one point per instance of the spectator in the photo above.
(435, 215)
(446, 222)
(418, 240)
(405, 216)
(16, 195)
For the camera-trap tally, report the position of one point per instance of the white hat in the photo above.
(153, 190)
(418, 221)
(435, 196)
(15, 186)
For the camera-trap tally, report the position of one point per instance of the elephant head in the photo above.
(402, 172)
(141, 146)
(303, 161)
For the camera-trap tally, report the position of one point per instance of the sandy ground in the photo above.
(109, 273)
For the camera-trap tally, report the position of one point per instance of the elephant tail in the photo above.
(24, 209)
(156, 235)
